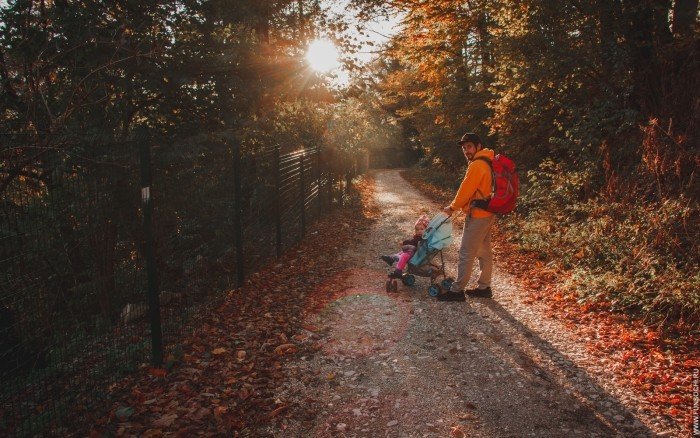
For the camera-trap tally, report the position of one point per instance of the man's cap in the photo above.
(469, 137)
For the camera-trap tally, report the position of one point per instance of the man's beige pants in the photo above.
(476, 242)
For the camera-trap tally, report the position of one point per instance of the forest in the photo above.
(598, 102)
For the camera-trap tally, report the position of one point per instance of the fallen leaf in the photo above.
(285, 349)
(158, 372)
(279, 410)
(245, 392)
(152, 433)
(201, 413)
(240, 354)
(219, 411)
(457, 432)
(218, 351)
(165, 421)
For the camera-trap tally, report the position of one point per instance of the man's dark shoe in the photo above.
(452, 296)
(388, 259)
(480, 293)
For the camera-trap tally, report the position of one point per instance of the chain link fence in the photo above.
(107, 250)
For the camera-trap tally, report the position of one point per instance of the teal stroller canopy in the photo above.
(436, 236)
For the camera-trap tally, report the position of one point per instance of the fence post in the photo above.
(147, 207)
(349, 174)
(278, 211)
(342, 188)
(318, 181)
(303, 192)
(331, 187)
(238, 212)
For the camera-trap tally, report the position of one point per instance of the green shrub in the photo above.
(640, 257)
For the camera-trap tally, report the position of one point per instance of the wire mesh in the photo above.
(73, 283)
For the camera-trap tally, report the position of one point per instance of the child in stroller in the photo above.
(436, 236)
(408, 248)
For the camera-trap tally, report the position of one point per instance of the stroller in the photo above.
(437, 235)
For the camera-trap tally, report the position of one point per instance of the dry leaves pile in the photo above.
(658, 368)
(223, 383)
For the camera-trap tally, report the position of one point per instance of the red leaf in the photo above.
(158, 372)
(279, 410)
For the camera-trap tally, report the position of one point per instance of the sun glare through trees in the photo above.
(322, 56)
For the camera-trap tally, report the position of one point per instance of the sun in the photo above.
(322, 56)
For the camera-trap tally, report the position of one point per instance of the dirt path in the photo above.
(407, 365)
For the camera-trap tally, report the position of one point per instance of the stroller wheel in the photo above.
(409, 279)
(447, 283)
(434, 290)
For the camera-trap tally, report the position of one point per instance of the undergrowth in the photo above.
(638, 258)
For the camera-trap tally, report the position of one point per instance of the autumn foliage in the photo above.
(657, 365)
(597, 104)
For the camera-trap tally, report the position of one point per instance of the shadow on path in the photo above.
(406, 364)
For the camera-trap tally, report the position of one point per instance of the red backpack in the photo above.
(504, 186)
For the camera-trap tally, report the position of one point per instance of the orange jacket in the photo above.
(476, 185)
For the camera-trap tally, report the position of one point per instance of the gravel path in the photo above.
(407, 365)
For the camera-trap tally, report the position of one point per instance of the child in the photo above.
(408, 248)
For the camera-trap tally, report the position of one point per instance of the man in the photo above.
(476, 239)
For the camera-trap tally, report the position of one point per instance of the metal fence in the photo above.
(105, 255)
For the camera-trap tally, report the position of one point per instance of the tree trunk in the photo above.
(662, 29)
(484, 48)
(641, 34)
(263, 27)
(684, 16)
(300, 5)
(608, 14)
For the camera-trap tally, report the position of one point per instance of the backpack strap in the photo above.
(484, 159)
(493, 179)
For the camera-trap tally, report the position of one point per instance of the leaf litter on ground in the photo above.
(224, 381)
(657, 368)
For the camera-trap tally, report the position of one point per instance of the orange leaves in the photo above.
(676, 400)
(285, 349)
(457, 432)
(220, 411)
(278, 411)
(652, 336)
(302, 337)
(309, 327)
(691, 363)
(158, 372)
(230, 369)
